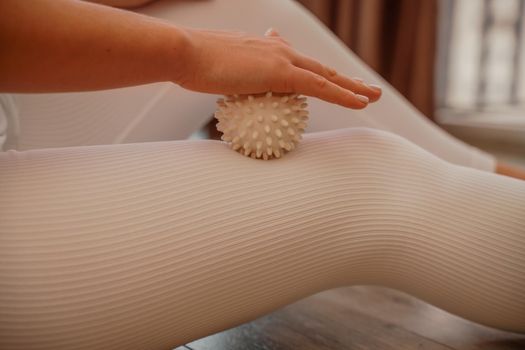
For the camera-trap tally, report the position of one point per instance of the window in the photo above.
(481, 65)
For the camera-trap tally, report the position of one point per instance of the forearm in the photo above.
(67, 45)
(123, 3)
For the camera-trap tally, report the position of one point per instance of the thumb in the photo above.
(271, 32)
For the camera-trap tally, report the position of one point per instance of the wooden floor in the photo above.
(360, 318)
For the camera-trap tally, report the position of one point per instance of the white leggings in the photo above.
(152, 245)
(166, 112)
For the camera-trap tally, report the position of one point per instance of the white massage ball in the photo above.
(263, 125)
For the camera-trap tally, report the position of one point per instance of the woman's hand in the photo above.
(232, 62)
(93, 47)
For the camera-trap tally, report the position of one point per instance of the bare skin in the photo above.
(510, 170)
(79, 46)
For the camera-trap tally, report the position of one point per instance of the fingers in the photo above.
(373, 92)
(310, 77)
(311, 84)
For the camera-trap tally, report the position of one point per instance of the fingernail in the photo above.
(358, 79)
(270, 31)
(375, 87)
(362, 98)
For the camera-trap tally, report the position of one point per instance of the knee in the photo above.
(367, 146)
(373, 160)
(380, 140)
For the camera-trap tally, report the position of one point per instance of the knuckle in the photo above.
(330, 71)
(320, 81)
(288, 80)
(282, 48)
(281, 64)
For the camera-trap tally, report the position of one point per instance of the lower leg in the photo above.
(145, 246)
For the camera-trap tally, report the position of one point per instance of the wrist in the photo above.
(169, 59)
(183, 55)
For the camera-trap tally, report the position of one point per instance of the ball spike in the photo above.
(247, 121)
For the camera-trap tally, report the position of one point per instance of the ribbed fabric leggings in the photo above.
(147, 246)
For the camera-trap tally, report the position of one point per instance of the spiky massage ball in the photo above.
(263, 125)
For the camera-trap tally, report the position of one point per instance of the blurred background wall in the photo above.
(397, 38)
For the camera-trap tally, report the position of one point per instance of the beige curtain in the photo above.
(397, 38)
